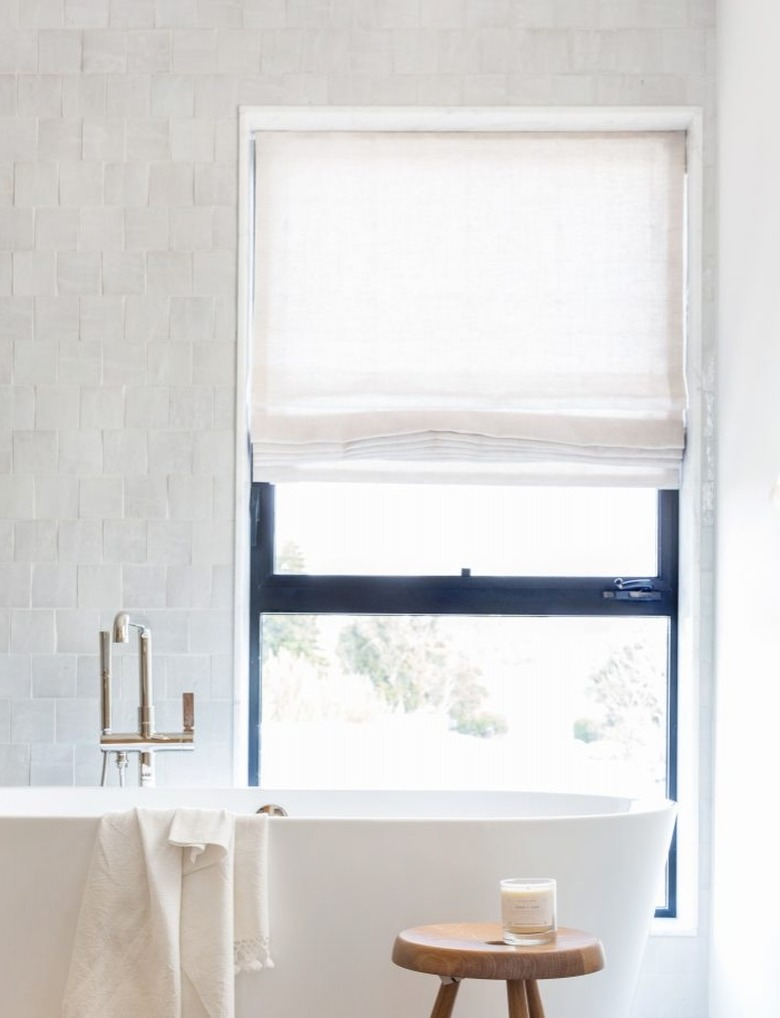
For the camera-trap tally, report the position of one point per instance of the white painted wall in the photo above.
(746, 936)
(118, 198)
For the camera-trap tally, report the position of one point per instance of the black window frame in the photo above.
(272, 592)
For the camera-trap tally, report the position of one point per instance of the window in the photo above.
(466, 405)
(536, 652)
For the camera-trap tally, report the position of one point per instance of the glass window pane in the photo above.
(440, 530)
(446, 702)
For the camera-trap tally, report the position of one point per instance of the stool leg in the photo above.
(535, 1008)
(445, 998)
(517, 998)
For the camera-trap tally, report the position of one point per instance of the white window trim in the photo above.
(688, 119)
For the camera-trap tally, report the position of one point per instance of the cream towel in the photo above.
(174, 901)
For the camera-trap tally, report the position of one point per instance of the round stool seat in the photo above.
(455, 951)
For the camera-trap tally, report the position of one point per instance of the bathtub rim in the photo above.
(407, 805)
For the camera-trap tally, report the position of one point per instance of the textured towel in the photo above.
(175, 900)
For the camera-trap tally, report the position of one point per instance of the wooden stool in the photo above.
(455, 951)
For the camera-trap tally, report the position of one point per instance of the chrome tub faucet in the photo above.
(146, 741)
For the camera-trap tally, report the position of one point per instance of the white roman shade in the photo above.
(450, 306)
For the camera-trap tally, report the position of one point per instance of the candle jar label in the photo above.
(528, 910)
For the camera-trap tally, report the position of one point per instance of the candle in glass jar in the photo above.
(528, 910)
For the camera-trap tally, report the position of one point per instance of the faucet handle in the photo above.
(188, 711)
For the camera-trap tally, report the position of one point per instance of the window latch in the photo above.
(633, 590)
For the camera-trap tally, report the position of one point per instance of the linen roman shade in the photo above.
(454, 306)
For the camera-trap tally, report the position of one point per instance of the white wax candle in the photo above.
(528, 905)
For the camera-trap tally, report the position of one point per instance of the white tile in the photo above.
(39, 95)
(60, 140)
(19, 52)
(169, 273)
(169, 363)
(79, 363)
(16, 319)
(101, 320)
(212, 362)
(170, 452)
(191, 229)
(32, 721)
(124, 453)
(128, 95)
(131, 13)
(80, 541)
(143, 586)
(34, 540)
(211, 632)
(34, 274)
(56, 498)
(147, 229)
(104, 52)
(59, 51)
(53, 675)
(15, 672)
(36, 183)
(101, 498)
(83, 96)
(99, 585)
(57, 405)
(51, 766)
(239, 52)
(17, 228)
(19, 138)
(215, 185)
(77, 632)
(194, 51)
(148, 139)
(170, 541)
(102, 406)
(190, 498)
(32, 632)
(86, 13)
(176, 13)
(188, 586)
(78, 272)
(191, 319)
(81, 183)
(214, 272)
(147, 318)
(146, 498)
(56, 229)
(124, 272)
(149, 52)
(213, 542)
(414, 51)
(173, 95)
(191, 407)
(216, 95)
(125, 540)
(171, 185)
(123, 364)
(34, 452)
(40, 12)
(53, 586)
(219, 13)
(104, 139)
(15, 764)
(101, 229)
(126, 184)
(192, 141)
(147, 407)
(35, 363)
(76, 721)
(80, 452)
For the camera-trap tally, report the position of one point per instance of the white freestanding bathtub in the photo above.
(348, 870)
